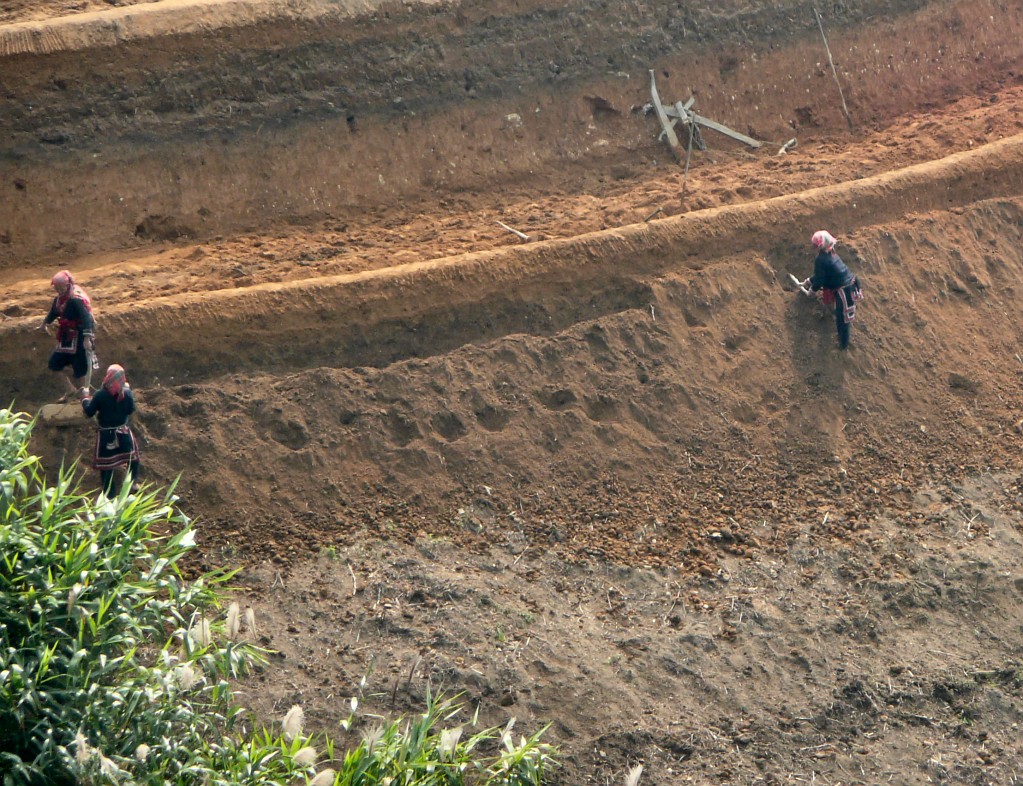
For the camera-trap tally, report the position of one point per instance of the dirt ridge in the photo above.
(352, 309)
(119, 26)
(237, 129)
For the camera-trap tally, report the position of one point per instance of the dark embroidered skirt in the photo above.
(844, 299)
(115, 447)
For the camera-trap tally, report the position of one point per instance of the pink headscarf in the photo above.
(65, 280)
(62, 279)
(114, 382)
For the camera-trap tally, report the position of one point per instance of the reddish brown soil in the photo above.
(618, 478)
(17, 11)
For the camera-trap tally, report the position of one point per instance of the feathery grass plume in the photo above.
(185, 675)
(325, 778)
(633, 777)
(449, 742)
(292, 723)
(200, 632)
(142, 752)
(72, 596)
(372, 737)
(305, 757)
(109, 768)
(232, 624)
(82, 750)
(250, 621)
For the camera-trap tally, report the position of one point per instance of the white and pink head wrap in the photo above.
(823, 240)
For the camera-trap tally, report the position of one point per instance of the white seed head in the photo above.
(372, 737)
(250, 621)
(82, 750)
(449, 741)
(72, 596)
(142, 752)
(633, 777)
(108, 768)
(186, 676)
(232, 624)
(292, 723)
(200, 632)
(305, 757)
(325, 778)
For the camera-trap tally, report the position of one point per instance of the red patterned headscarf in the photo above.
(114, 382)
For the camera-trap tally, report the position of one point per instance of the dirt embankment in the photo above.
(217, 131)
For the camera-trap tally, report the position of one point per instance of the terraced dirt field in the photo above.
(616, 477)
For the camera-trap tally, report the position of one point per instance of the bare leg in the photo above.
(69, 385)
(134, 471)
(81, 382)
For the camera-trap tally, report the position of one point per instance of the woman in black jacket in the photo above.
(72, 310)
(113, 404)
(836, 284)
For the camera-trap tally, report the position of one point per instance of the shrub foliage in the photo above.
(114, 667)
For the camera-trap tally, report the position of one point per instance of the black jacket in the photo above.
(829, 272)
(111, 412)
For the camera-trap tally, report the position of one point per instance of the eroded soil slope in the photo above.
(618, 478)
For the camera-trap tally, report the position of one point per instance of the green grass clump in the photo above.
(114, 667)
(419, 751)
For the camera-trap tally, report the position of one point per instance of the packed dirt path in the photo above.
(617, 478)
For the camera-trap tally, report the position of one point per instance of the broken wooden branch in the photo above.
(707, 123)
(831, 62)
(520, 235)
(669, 132)
(682, 112)
(695, 137)
(689, 152)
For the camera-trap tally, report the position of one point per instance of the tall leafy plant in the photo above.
(114, 667)
(109, 667)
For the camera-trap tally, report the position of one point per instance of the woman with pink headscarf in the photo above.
(116, 447)
(836, 284)
(72, 309)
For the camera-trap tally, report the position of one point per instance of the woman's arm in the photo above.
(90, 405)
(52, 315)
